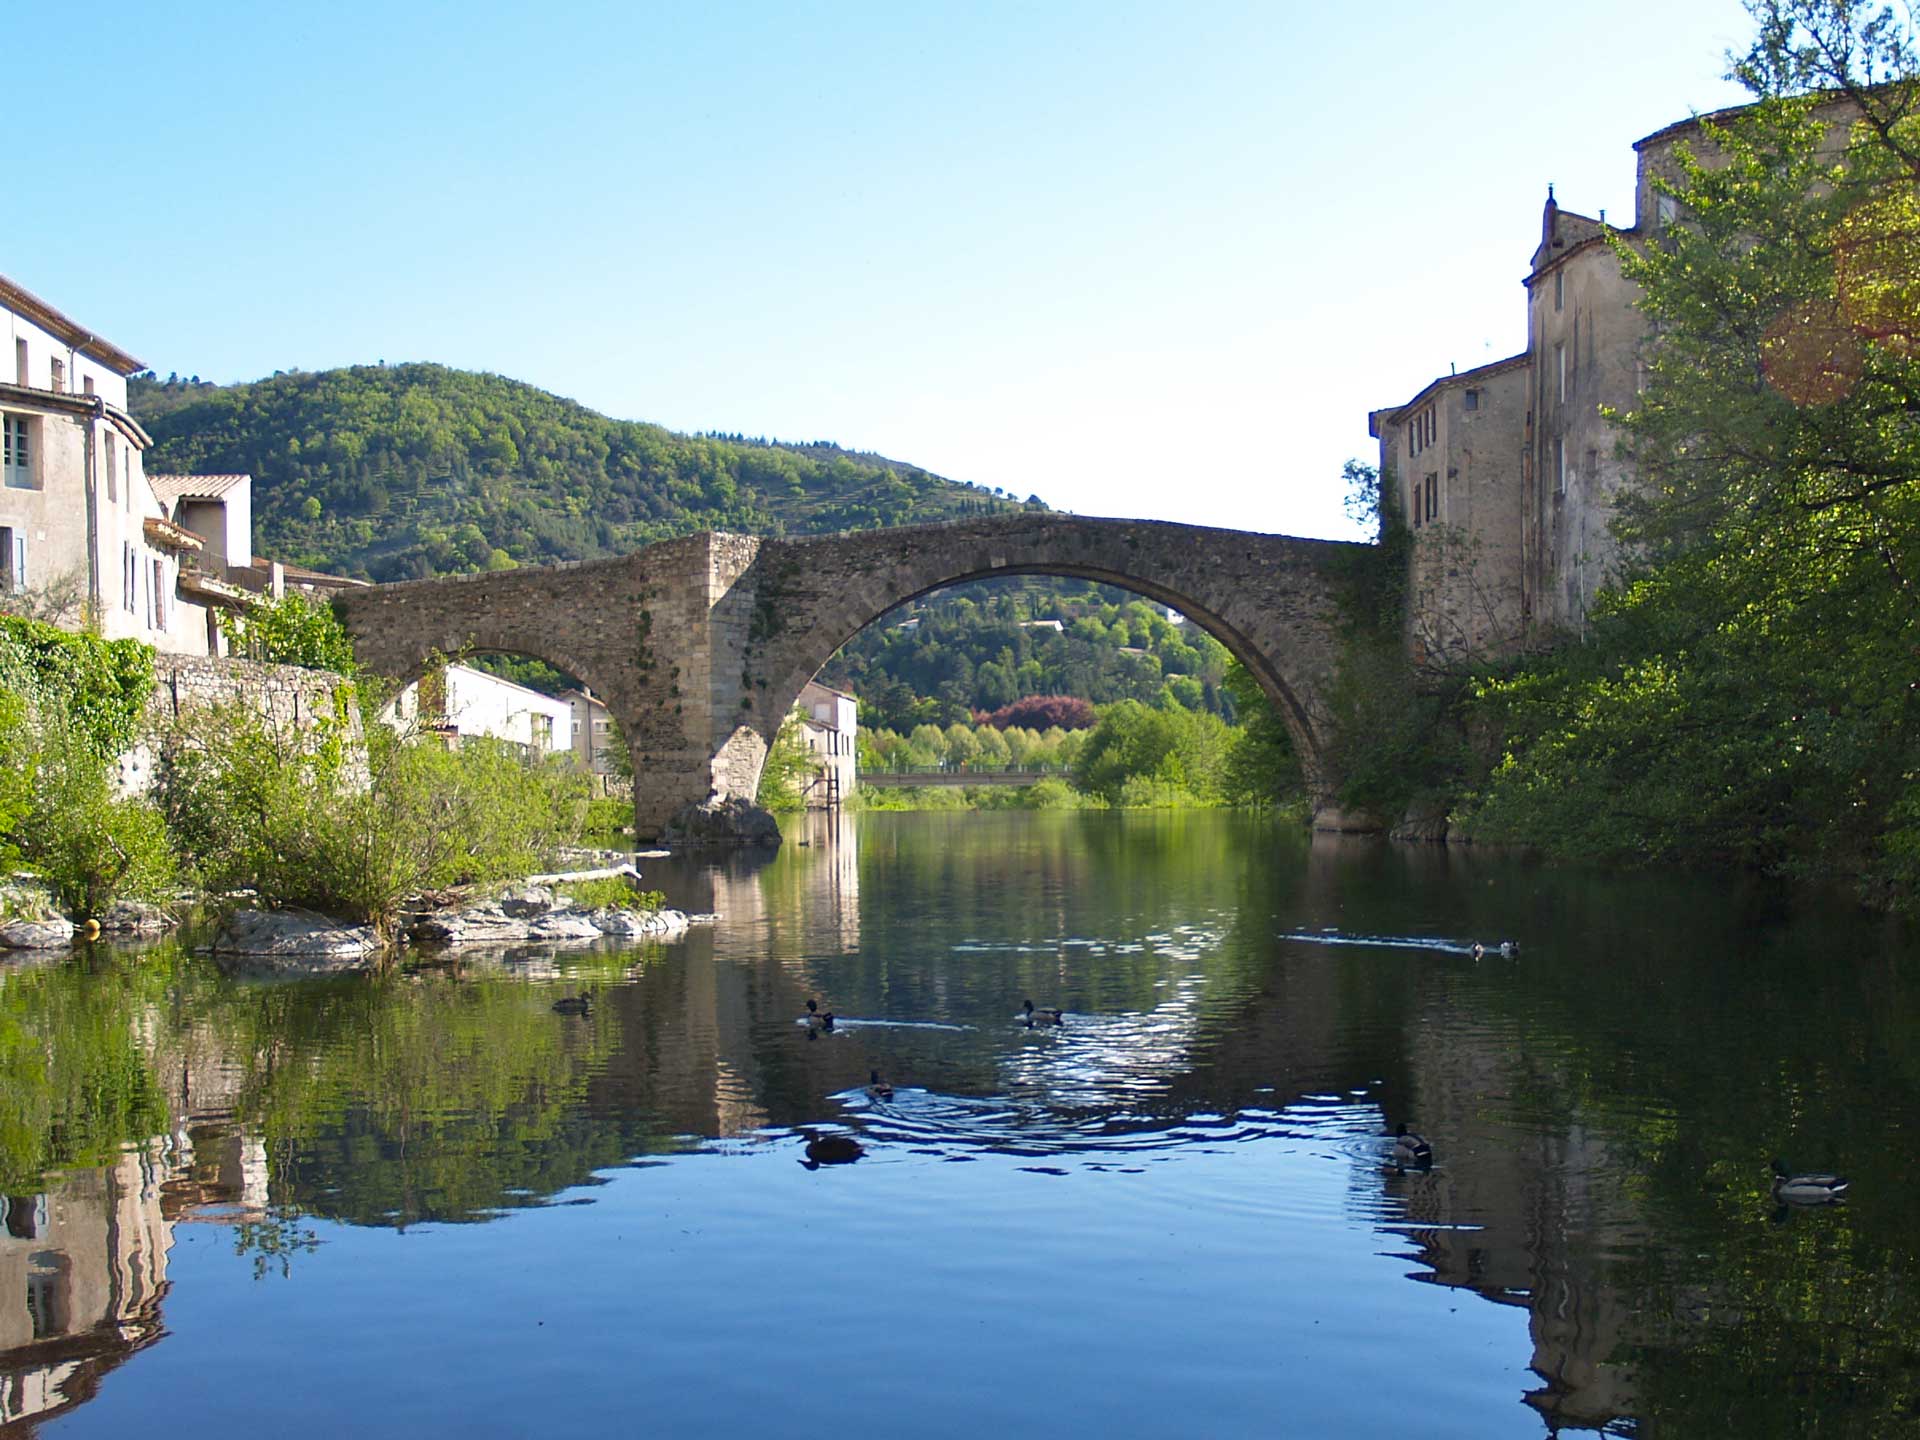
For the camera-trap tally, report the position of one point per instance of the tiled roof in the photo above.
(168, 488)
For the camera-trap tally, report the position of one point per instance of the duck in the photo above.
(817, 1016)
(1411, 1149)
(573, 1005)
(831, 1150)
(1809, 1189)
(878, 1089)
(1042, 1017)
(1506, 950)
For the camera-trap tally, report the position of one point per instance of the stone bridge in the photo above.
(699, 646)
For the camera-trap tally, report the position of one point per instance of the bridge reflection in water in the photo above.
(460, 1097)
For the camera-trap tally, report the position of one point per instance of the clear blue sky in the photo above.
(1142, 259)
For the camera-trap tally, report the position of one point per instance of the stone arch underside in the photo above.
(700, 645)
(1270, 600)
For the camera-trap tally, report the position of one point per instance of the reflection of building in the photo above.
(459, 700)
(82, 1271)
(828, 728)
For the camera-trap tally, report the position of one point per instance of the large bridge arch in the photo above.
(699, 646)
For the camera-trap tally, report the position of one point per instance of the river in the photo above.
(430, 1204)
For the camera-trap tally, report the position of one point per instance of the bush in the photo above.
(608, 816)
(1176, 750)
(291, 631)
(309, 818)
(1045, 712)
(612, 893)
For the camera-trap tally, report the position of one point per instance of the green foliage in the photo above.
(612, 893)
(984, 646)
(1261, 766)
(405, 471)
(89, 845)
(290, 631)
(99, 686)
(607, 816)
(1141, 756)
(789, 770)
(308, 818)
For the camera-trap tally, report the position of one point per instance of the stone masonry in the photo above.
(699, 646)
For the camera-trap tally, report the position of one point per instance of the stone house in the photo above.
(829, 727)
(1509, 474)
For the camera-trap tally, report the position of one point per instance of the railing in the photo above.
(892, 779)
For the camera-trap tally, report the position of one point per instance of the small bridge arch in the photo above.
(700, 645)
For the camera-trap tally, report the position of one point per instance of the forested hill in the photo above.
(404, 471)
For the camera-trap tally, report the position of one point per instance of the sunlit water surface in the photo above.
(430, 1204)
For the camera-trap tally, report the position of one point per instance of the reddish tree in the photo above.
(1041, 712)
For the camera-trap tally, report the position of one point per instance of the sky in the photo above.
(1151, 260)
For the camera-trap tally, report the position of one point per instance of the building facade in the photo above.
(1510, 475)
(460, 701)
(829, 727)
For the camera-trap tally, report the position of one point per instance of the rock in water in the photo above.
(314, 942)
(36, 934)
(723, 822)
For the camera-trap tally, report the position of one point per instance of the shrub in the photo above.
(612, 893)
(309, 818)
(291, 631)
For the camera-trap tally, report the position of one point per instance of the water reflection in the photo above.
(1602, 1109)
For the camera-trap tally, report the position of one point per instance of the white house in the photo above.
(829, 727)
(460, 701)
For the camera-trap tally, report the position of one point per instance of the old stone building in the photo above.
(1509, 475)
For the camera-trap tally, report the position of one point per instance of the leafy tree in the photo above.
(292, 630)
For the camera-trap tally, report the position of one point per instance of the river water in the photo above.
(430, 1204)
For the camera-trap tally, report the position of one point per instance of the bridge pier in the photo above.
(699, 646)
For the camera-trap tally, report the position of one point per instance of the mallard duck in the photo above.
(817, 1016)
(1506, 950)
(878, 1089)
(1811, 1189)
(1042, 1017)
(831, 1150)
(574, 1005)
(1411, 1149)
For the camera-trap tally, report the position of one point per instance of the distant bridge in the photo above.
(699, 646)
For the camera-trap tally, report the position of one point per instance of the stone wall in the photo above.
(184, 686)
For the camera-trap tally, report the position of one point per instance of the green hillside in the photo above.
(406, 471)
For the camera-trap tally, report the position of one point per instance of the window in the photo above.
(1433, 496)
(59, 376)
(129, 581)
(16, 451)
(542, 732)
(1415, 503)
(112, 494)
(13, 559)
(159, 593)
(1473, 400)
(1665, 211)
(20, 362)
(86, 383)
(1559, 289)
(1560, 366)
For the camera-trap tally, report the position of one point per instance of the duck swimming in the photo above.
(831, 1150)
(1411, 1149)
(1816, 1188)
(878, 1089)
(573, 1005)
(1506, 949)
(1043, 1017)
(817, 1016)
